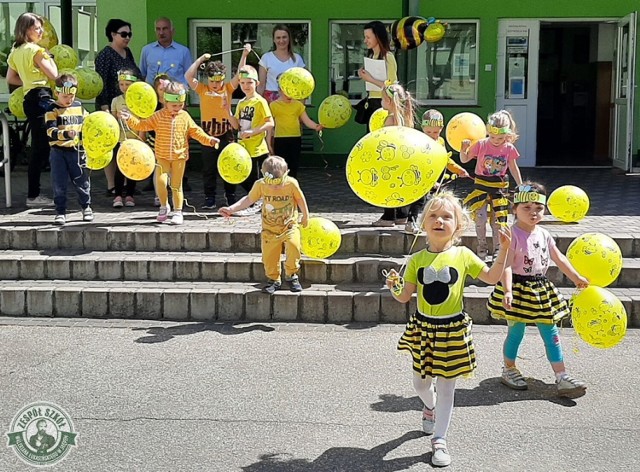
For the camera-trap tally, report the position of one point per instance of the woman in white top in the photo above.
(273, 63)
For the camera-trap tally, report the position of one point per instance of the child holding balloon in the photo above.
(173, 127)
(438, 334)
(495, 156)
(282, 199)
(526, 296)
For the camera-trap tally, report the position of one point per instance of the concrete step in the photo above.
(319, 303)
(360, 240)
(218, 267)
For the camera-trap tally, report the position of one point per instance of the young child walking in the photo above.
(64, 120)
(215, 108)
(495, 156)
(438, 335)
(173, 127)
(400, 105)
(432, 125)
(252, 120)
(126, 77)
(282, 200)
(526, 296)
(287, 143)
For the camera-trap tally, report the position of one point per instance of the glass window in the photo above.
(347, 56)
(447, 70)
(85, 26)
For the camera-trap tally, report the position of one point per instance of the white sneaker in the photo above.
(440, 456)
(87, 214)
(39, 201)
(428, 421)
(252, 210)
(412, 228)
(177, 218)
(59, 220)
(570, 387)
(512, 378)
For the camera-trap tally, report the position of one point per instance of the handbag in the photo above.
(361, 108)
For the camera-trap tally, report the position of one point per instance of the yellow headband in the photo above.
(67, 87)
(217, 77)
(269, 178)
(526, 194)
(496, 130)
(179, 97)
(434, 122)
(130, 78)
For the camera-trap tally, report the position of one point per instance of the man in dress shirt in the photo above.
(165, 55)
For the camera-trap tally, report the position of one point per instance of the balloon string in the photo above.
(202, 66)
(186, 202)
(326, 163)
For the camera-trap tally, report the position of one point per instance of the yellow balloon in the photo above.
(89, 83)
(334, 111)
(320, 239)
(465, 126)
(135, 159)
(49, 35)
(141, 99)
(16, 103)
(64, 56)
(434, 32)
(394, 166)
(297, 83)
(234, 164)
(568, 203)
(597, 257)
(599, 317)
(100, 161)
(100, 133)
(377, 119)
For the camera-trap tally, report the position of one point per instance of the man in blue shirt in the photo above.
(165, 55)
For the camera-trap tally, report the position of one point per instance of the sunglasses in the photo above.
(125, 34)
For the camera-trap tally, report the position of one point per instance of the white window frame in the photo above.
(455, 102)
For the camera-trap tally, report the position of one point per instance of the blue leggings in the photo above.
(548, 333)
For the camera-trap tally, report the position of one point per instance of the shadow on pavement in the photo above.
(345, 459)
(160, 335)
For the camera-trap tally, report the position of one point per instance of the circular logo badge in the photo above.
(42, 434)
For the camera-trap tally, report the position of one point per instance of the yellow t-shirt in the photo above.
(252, 113)
(280, 204)
(214, 108)
(392, 73)
(117, 105)
(21, 59)
(287, 118)
(440, 278)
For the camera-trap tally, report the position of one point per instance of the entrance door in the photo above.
(624, 92)
(517, 76)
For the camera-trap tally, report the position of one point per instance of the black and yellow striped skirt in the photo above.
(535, 300)
(440, 346)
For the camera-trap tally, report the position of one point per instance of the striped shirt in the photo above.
(172, 133)
(60, 120)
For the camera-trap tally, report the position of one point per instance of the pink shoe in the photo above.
(129, 202)
(163, 214)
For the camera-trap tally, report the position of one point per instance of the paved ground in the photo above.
(150, 396)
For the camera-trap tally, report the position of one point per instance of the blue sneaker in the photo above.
(209, 203)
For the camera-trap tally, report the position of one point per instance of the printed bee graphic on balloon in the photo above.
(409, 177)
(386, 151)
(368, 177)
(386, 172)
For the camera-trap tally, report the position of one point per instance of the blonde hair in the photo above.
(402, 102)
(275, 165)
(447, 198)
(503, 119)
(23, 23)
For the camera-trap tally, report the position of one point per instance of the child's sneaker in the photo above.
(440, 455)
(156, 201)
(129, 202)
(271, 287)
(570, 387)
(428, 421)
(383, 223)
(252, 210)
(59, 220)
(39, 201)
(163, 214)
(412, 228)
(117, 202)
(512, 378)
(87, 214)
(177, 218)
(209, 203)
(294, 284)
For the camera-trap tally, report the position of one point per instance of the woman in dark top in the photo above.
(115, 56)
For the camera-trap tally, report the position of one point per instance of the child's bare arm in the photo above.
(407, 290)
(190, 74)
(515, 171)
(301, 201)
(492, 276)
(566, 268)
(244, 202)
(243, 62)
(309, 123)
(464, 148)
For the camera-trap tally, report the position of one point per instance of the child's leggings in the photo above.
(548, 333)
(170, 170)
(444, 404)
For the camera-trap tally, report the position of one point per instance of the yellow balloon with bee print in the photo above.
(99, 161)
(234, 164)
(135, 159)
(320, 239)
(49, 35)
(378, 119)
(394, 166)
(297, 83)
(100, 133)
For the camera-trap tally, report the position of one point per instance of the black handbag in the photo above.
(362, 115)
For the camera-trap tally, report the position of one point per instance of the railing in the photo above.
(6, 162)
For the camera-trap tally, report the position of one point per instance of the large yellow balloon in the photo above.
(135, 159)
(568, 203)
(16, 103)
(49, 35)
(394, 166)
(64, 56)
(599, 317)
(97, 162)
(320, 239)
(100, 133)
(597, 257)
(234, 164)
(297, 83)
(141, 99)
(377, 119)
(89, 83)
(334, 111)
(465, 126)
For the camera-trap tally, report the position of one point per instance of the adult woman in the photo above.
(114, 57)
(32, 67)
(273, 63)
(376, 39)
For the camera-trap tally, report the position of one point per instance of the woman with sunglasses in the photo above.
(114, 57)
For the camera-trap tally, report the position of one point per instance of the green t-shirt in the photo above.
(439, 278)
